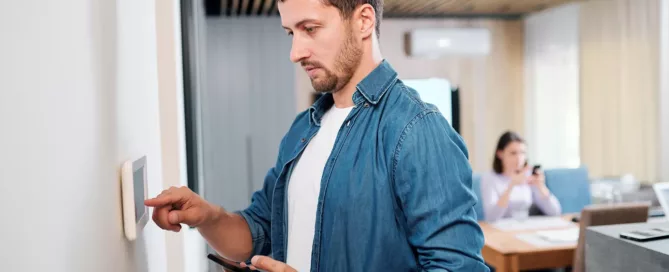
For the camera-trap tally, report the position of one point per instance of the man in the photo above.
(370, 178)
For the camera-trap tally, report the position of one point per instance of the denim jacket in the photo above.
(396, 192)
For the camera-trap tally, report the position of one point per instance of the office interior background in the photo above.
(205, 90)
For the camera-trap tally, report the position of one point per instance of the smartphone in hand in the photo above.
(228, 265)
(535, 169)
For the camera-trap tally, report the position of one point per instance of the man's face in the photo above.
(323, 42)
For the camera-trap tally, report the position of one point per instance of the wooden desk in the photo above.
(505, 252)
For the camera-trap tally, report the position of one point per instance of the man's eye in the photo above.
(290, 33)
(309, 29)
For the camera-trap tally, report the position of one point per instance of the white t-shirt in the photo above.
(305, 186)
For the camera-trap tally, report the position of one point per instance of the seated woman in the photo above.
(512, 188)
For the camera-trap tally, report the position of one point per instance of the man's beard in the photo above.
(346, 63)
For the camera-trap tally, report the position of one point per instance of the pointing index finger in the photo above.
(162, 200)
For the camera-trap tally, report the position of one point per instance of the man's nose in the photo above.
(298, 52)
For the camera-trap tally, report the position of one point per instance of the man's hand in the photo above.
(268, 264)
(176, 206)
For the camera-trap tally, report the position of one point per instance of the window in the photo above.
(438, 92)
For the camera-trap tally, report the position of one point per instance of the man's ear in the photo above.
(365, 18)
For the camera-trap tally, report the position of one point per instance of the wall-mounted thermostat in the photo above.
(134, 192)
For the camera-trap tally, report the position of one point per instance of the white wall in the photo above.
(79, 95)
(137, 106)
(552, 87)
(664, 91)
(173, 149)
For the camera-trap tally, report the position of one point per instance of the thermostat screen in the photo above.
(138, 180)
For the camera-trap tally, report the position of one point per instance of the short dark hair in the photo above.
(504, 140)
(346, 8)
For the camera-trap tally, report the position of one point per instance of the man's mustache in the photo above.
(313, 64)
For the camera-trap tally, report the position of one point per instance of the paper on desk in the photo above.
(535, 239)
(559, 236)
(530, 223)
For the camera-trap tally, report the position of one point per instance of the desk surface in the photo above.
(660, 246)
(606, 251)
(504, 251)
(506, 242)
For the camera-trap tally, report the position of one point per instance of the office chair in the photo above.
(600, 215)
(571, 187)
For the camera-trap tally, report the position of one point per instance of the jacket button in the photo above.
(303, 140)
(366, 105)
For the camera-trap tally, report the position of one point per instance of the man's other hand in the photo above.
(268, 264)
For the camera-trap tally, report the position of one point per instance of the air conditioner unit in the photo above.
(438, 42)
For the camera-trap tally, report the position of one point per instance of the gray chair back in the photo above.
(600, 215)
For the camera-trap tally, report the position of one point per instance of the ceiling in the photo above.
(400, 8)
(435, 8)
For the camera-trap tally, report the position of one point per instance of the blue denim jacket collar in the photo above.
(371, 89)
(376, 84)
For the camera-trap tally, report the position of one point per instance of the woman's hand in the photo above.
(538, 180)
(519, 178)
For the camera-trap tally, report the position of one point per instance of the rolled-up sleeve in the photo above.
(258, 214)
(432, 179)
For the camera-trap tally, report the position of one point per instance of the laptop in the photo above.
(662, 193)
